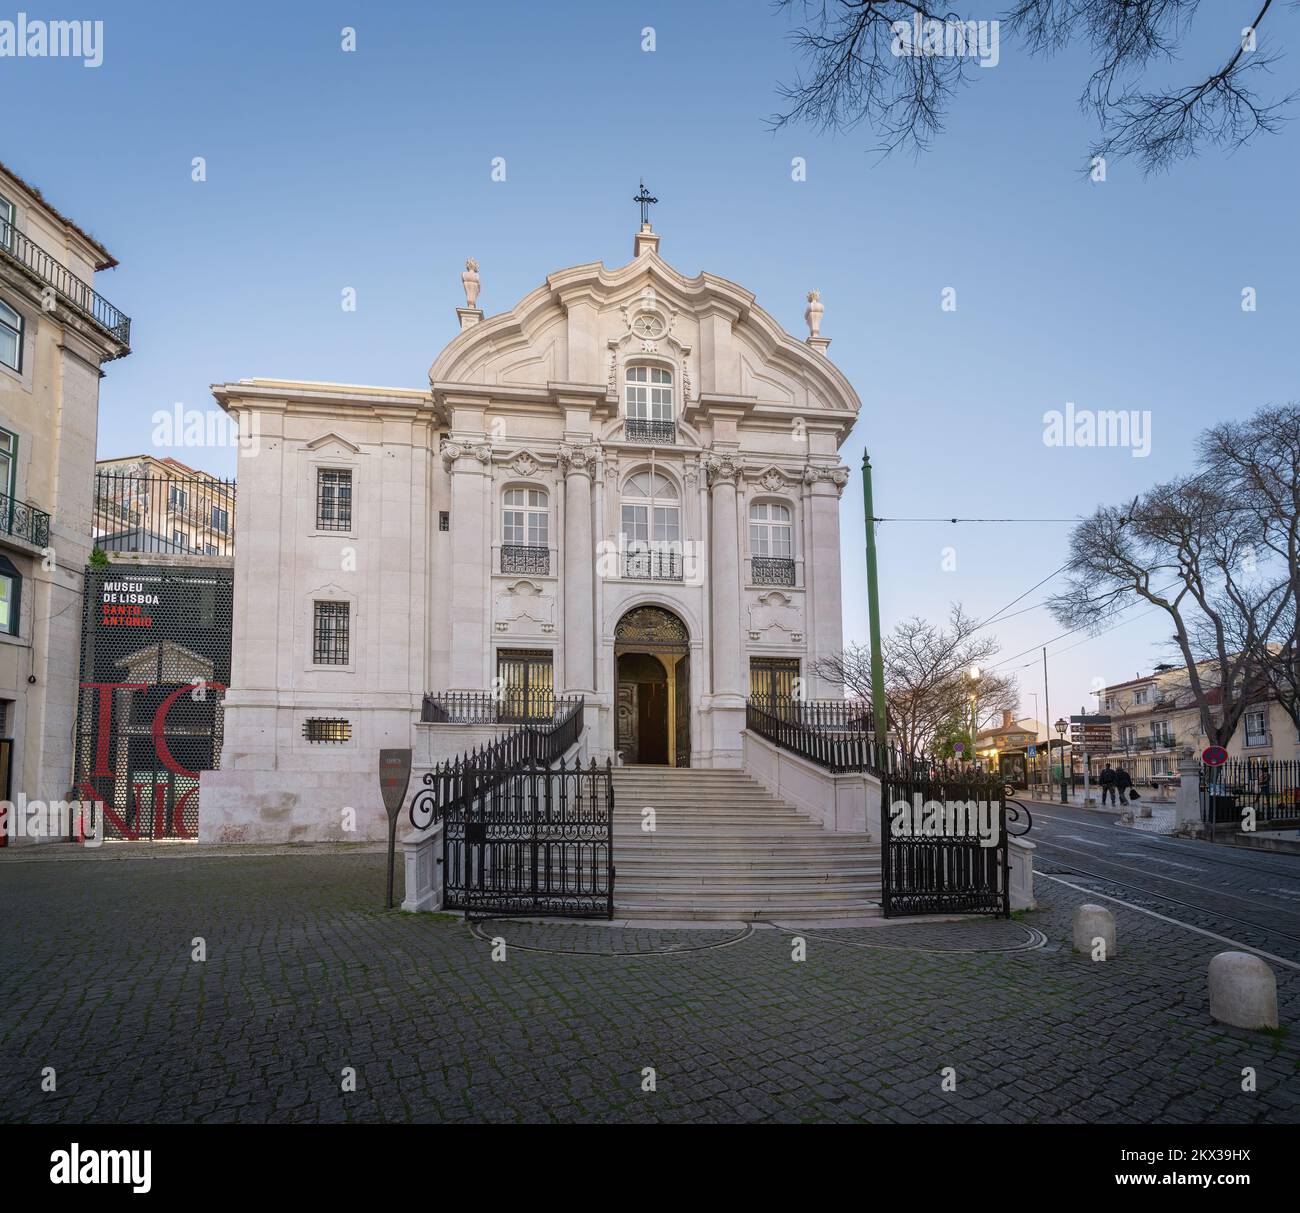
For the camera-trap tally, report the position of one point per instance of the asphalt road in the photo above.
(1250, 897)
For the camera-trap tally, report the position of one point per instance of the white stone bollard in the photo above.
(1243, 991)
(1093, 923)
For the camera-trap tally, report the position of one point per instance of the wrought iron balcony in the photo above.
(19, 520)
(656, 433)
(79, 295)
(771, 570)
(525, 558)
(653, 564)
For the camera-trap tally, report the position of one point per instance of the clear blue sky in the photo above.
(371, 170)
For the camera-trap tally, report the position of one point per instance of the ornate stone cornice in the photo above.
(722, 469)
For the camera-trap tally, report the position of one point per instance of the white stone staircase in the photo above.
(725, 849)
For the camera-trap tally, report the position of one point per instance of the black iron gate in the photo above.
(944, 840)
(524, 839)
(155, 664)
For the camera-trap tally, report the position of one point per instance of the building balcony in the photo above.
(653, 564)
(24, 522)
(653, 433)
(525, 558)
(79, 295)
(771, 570)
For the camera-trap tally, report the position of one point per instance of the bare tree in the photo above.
(926, 669)
(863, 64)
(1255, 465)
(1188, 549)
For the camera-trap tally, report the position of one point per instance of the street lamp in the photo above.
(1061, 726)
(974, 674)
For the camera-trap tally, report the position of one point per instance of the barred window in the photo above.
(330, 633)
(333, 500)
(318, 729)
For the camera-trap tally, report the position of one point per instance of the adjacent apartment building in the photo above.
(56, 334)
(1154, 718)
(147, 504)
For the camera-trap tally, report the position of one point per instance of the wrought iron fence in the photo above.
(23, 521)
(192, 515)
(1271, 788)
(516, 705)
(525, 558)
(451, 782)
(771, 570)
(79, 294)
(842, 743)
(653, 564)
(643, 429)
(849, 715)
(523, 833)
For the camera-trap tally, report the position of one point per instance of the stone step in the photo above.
(791, 912)
(752, 883)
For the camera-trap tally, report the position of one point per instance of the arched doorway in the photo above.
(652, 676)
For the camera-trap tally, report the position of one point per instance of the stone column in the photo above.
(727, 706)
(471, 516)
(579, 561)
(821, 564)
(724, 578)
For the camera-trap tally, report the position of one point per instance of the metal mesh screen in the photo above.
(155, 663)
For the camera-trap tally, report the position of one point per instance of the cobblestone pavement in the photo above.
(305, 977)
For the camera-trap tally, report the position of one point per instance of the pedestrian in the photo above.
(1123, 781)
(1108, 784)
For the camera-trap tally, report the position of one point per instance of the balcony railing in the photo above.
(19, 520)
(657, 433)
(771, 570)
(1155, 741)
(525, 558)
(516, 705)
(653, 564)
(194, 515)
(71, 289)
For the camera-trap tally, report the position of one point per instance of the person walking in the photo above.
(1123, 781)
(1108, 784)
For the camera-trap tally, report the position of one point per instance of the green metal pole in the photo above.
(873, 609)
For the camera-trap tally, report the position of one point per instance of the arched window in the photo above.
(651, 527)
(525, 532)
(649, 393)
(771, 543)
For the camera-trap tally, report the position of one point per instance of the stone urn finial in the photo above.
(813, 313)
(469, 280)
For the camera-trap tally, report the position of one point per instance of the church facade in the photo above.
(625, 488)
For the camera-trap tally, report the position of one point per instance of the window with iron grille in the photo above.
(333, 499)
(330, 633)
(444, 520)
(773, 677)
(321, 729)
